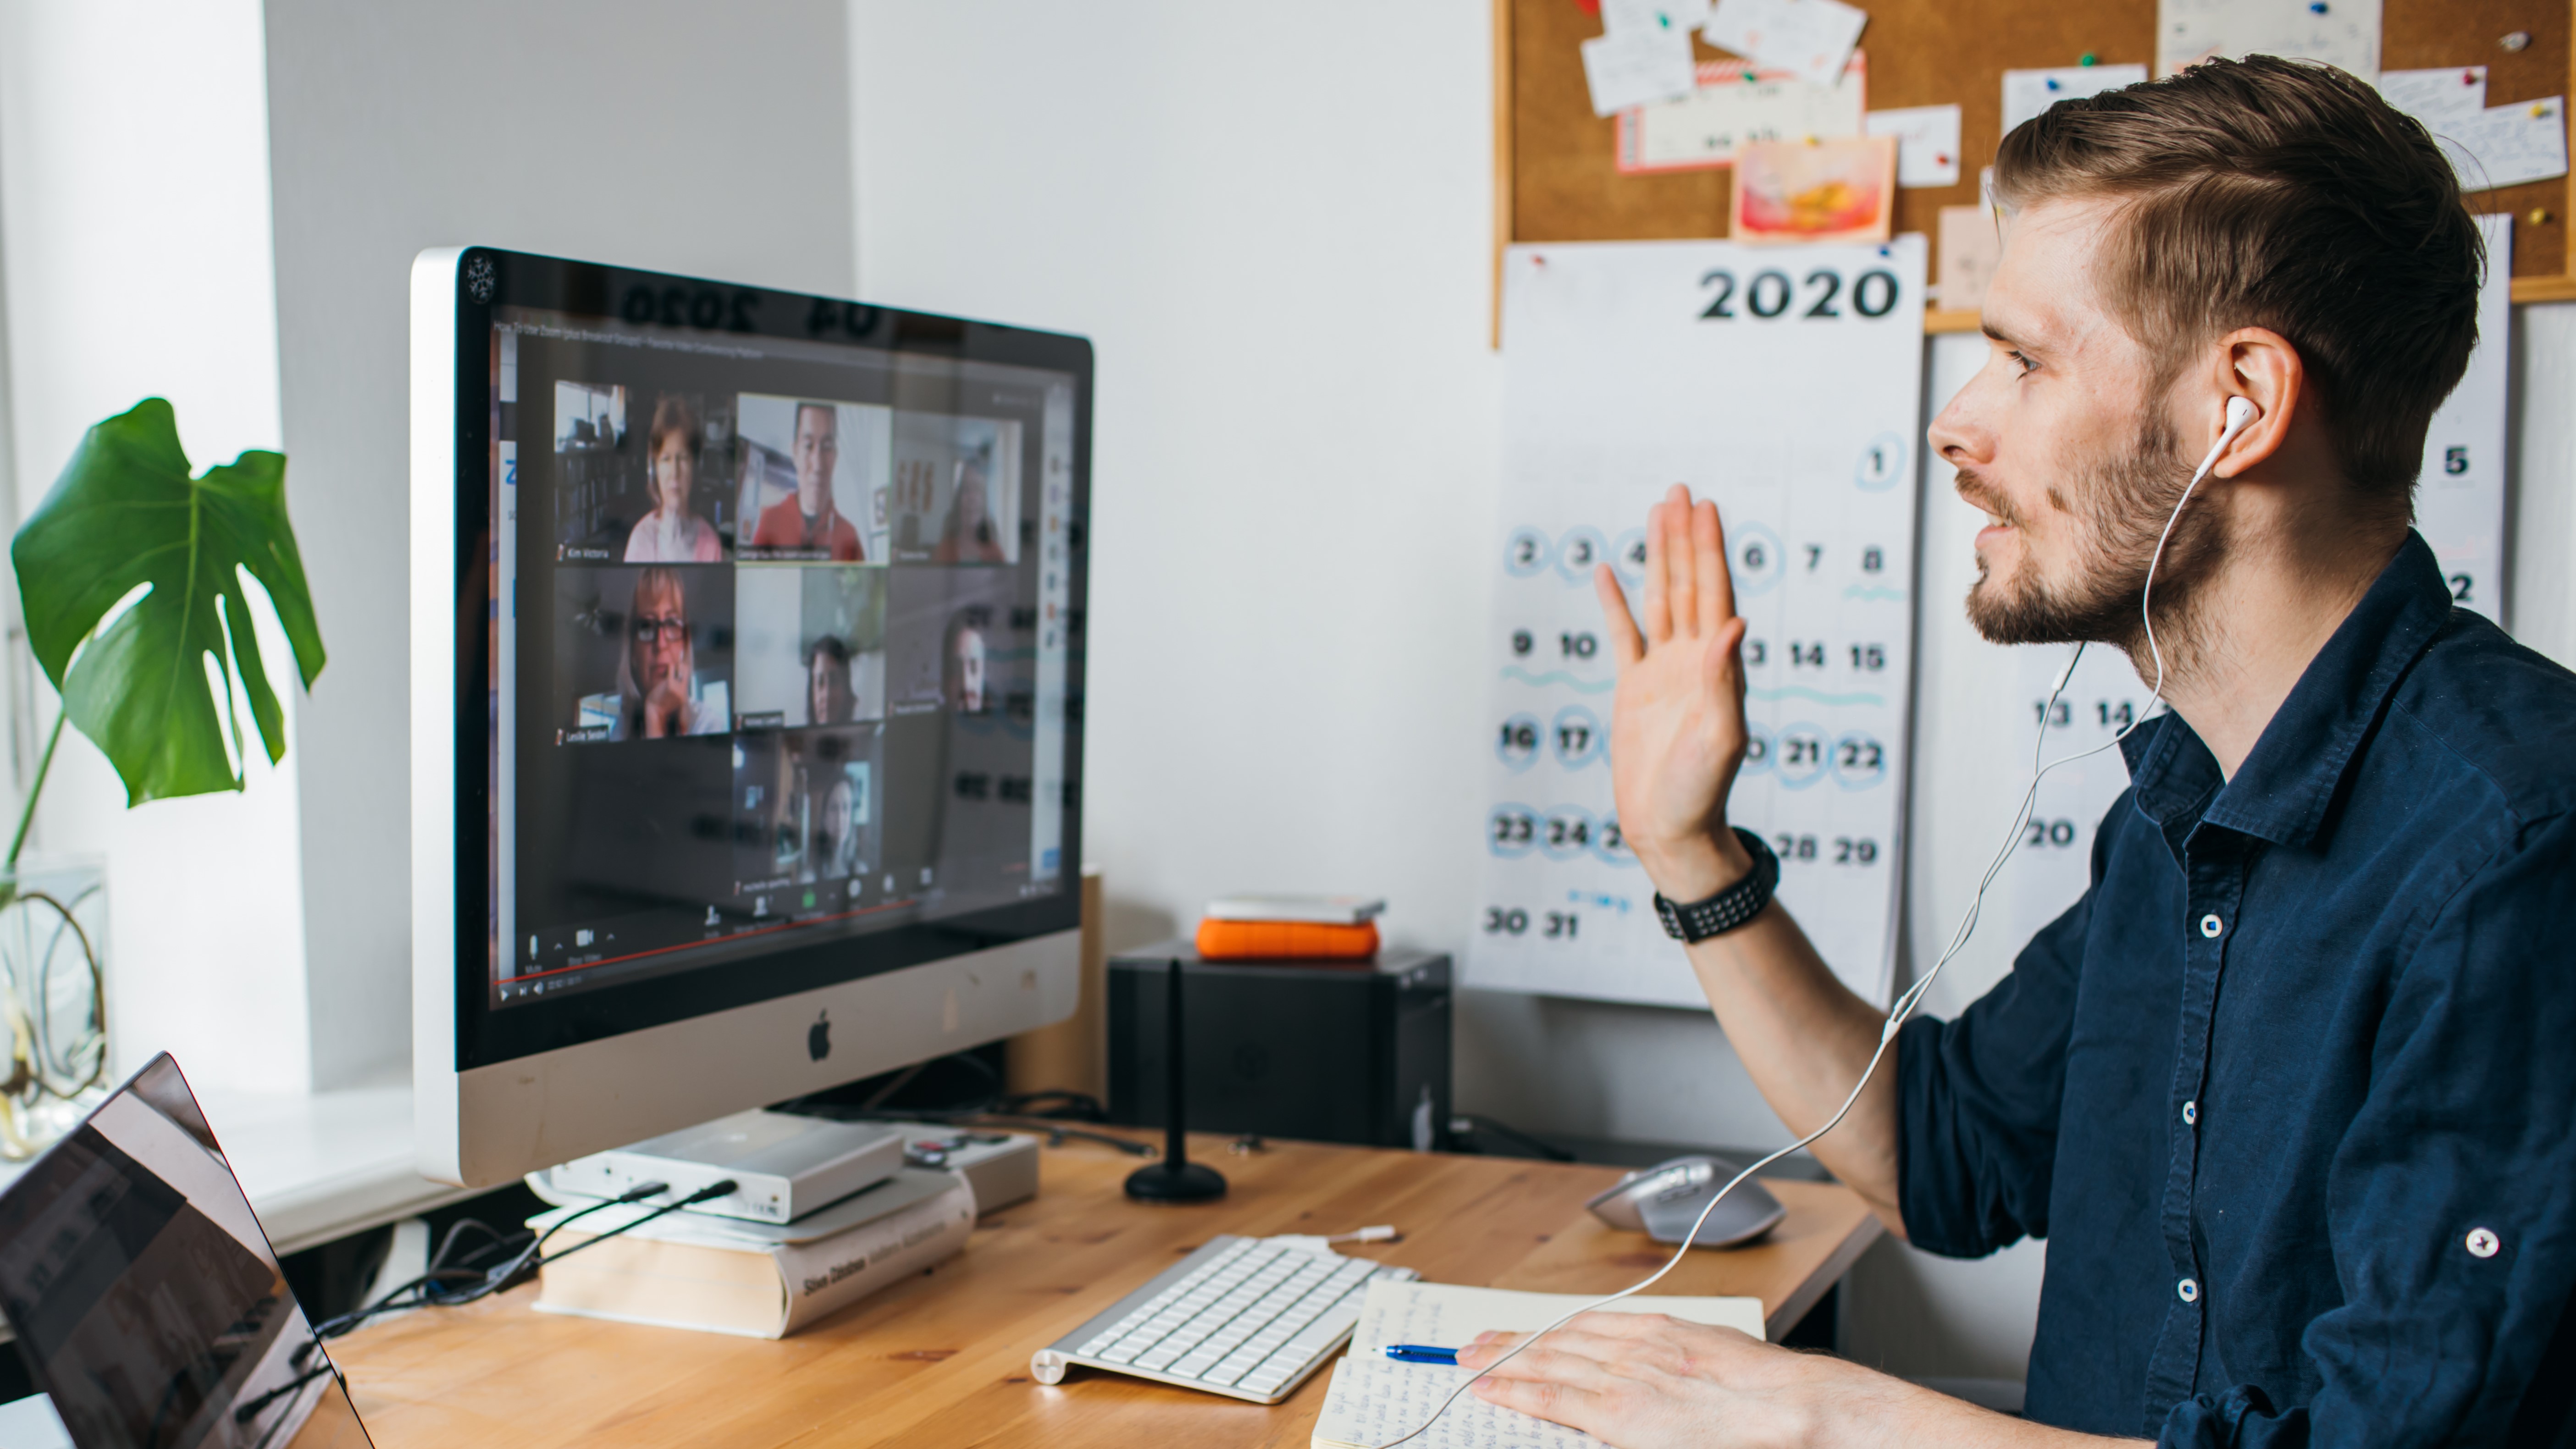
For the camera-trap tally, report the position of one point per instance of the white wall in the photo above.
(711, 141)
(134, 233)
(1276, 235)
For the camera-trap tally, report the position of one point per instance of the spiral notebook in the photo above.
(1374, 1399)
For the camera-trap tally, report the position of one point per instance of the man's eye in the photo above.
(2025, 364)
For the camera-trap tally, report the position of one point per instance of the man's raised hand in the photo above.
(1677, 728)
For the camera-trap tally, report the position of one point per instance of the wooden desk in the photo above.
(944, 1359)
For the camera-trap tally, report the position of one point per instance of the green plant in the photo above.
(129, 575)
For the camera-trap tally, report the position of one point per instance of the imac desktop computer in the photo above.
(745, 697)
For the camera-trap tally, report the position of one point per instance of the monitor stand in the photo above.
(1175, 1178)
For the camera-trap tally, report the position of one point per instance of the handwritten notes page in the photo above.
(1374, 1399)
(1785, 382)
(1809, 37)
(1628, 68)
(2507, 145)
(2344, 34)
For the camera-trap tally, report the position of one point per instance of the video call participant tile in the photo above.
(809, 821)
(956, 497)
(641, 487)
(643, 653)
(811, 648)
(945, 635)
(813, 476)
(648, 827)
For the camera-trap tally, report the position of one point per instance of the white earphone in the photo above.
(2240, 412)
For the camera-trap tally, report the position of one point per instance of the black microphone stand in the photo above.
(1175, 1178)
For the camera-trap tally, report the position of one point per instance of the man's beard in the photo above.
(2119, 505)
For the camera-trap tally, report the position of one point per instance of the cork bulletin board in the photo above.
(1556, 178)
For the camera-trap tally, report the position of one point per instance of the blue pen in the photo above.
(1421, 1353)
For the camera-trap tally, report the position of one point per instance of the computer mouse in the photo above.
(1663, 1200)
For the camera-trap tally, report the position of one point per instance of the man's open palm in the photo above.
(1677, 729)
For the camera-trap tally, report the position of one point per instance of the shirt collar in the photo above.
(2282, 792)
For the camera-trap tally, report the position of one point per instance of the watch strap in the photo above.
(1729, 908)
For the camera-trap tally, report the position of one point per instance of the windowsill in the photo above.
(322, 1165)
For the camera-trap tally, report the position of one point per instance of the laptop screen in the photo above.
(145, 1297)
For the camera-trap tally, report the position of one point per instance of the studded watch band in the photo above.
(1729, 908)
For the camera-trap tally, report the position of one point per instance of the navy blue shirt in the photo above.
(2290, 1090)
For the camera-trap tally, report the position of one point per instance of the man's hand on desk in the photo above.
(1645, 1381)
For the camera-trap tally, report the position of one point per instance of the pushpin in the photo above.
(2052, 82)
(2085, 59)
(1748, 76)
(2539, 109)
(2540, 216)
(2316, 7)
(2513, 40)
(1940, 159)
(2468, 77)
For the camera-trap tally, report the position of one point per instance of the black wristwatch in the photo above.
(1729, 908)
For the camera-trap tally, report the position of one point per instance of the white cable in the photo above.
(2239, 412)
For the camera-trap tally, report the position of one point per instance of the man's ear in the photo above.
(2261, 366)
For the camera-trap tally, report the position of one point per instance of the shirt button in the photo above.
(2483, 1243)
(2210, 926)
(2190, 1113)
(2189, 1289)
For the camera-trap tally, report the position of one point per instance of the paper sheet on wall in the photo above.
(2344, 33)
(1637, 67)
(2506, 145)
(1927, 143)
(1732, 105)
(2459, 502)
(1618, 16)
(1373, 1400)
(1810, 38)
(1786, 383)
(2029, 92)
(2455, 93)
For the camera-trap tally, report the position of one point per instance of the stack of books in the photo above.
(1290, 928)
(760, 1280)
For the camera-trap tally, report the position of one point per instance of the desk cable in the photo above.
(444, 1286)
(1913, 995)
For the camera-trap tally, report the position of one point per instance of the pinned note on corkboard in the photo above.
(1557, 165)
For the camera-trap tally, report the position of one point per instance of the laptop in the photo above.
(146, 1300)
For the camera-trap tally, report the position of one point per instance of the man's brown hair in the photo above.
(2284, 195)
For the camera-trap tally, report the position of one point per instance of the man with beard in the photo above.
(2289, 1090)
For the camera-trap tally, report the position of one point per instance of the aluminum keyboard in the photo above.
(1245, 1317)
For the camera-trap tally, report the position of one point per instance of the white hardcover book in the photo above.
(753, 1279)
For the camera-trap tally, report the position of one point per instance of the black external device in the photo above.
(1338, 1051)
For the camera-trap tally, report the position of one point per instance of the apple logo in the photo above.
(818, 1037)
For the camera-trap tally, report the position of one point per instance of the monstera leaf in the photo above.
(126, 513)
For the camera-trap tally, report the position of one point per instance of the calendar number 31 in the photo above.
(1770, 294)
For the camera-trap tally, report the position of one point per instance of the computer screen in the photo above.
(783, 658)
